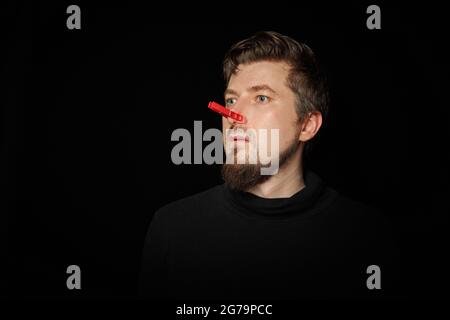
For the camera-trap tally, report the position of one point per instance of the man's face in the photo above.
(259, 91)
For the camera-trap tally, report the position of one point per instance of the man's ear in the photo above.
(310, 126)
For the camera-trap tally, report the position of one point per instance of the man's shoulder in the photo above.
(357, 217)
(356, 210)
(191, 204)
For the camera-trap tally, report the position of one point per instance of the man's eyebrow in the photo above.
(256, 88)
(230, 91)
(262, 87)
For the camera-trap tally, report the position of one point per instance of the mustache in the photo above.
(235, 130)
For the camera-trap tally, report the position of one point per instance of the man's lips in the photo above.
(240, 138)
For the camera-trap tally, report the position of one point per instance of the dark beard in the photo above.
(242, 177)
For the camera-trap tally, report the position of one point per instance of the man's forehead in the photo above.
(261, 67)
(256, 76)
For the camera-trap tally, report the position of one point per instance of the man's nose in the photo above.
(241, 109)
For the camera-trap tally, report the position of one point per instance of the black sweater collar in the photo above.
(278, 208)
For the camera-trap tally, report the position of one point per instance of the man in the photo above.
(257, 236)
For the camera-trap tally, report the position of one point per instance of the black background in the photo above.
(89, 114)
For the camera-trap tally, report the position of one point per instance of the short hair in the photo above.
(306, 78)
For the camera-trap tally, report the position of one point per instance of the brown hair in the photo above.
(305, 78)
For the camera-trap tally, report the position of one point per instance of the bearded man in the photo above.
(282, 235)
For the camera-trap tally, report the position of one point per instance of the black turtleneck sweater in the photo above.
(223, 244)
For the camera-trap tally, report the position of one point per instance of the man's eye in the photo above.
(230, 102)
(262, 98)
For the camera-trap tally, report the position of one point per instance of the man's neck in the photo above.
(287, 182)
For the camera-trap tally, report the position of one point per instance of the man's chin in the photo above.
(242, 177)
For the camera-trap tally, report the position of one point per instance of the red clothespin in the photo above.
(226, 112)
